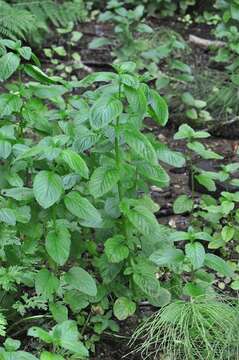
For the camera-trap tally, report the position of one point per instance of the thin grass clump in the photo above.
(193, 330)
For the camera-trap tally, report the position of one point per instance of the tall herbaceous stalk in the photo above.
(76, 222)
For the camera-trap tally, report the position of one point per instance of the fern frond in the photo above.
(59, 14)
(15, 23)
(20, 18)
(3, 324)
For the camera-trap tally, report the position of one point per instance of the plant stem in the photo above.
(117, 149)
(86, 324)
(117, 157)
(35, 317)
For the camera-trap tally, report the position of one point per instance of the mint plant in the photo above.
(127, 24)
(203, 177)
(74, 206)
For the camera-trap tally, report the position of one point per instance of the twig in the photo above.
(218, 126)
(206, 43)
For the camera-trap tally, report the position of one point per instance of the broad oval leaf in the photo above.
(104, 111)
(103, 180)
(196, 253)
(58, 243)
(116, 249)
(50, 356)
(5, 149)
(216, 263)
(158, 108)
(173, 158)
(82, 208)
(182, 204)
(123, 308)
(46, 283)
(81, 280)
(8, 216)
(75, 162)
(155, 173)
(142, 219)
(8, 65)
(47, 188)
(140, 144)
(167, 256)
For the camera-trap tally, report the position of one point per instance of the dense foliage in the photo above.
(81, 242)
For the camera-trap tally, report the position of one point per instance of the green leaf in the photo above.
(182, 204)
(235, 11)
(7, 216)
(188, 99)
(123, 308)
(167, 256)
(46, 283)
(125, 67)
(58, 243)
(136, 99)
(47, 188)
(5, 149)
(131, 81)
(10, 103)
(196, 253)
(179, 236)
(18, 193)
(25, 52)
(192, 114)
(206, 181)
(81, 280)
(162, 299)
(66, 335)
(83, 209)
(115, 249)
(216, 263)
(11, 344)
(20, 355)
(75, 162)
(186, 132)
(145, 278)
(140, 144)
(155, 173)
(143, 219)
(193, 290)
(37, 74)
(102, 76)
(158, 108)
(235, 285)
(99, 42)
(200, 149)
(173, 158)
(103, 180)
(59, 312)
(8, 65)
(50, 356)
(104, 111)
(47, 91)
(76, 300)
(41, 334)
(227, 233)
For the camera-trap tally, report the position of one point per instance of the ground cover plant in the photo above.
(118, 208)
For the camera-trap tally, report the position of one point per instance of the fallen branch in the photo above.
(205, 43)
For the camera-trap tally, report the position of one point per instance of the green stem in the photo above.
(86, 324)
(36, 317)
(54, 216)
(117, 157)
(117, 149)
